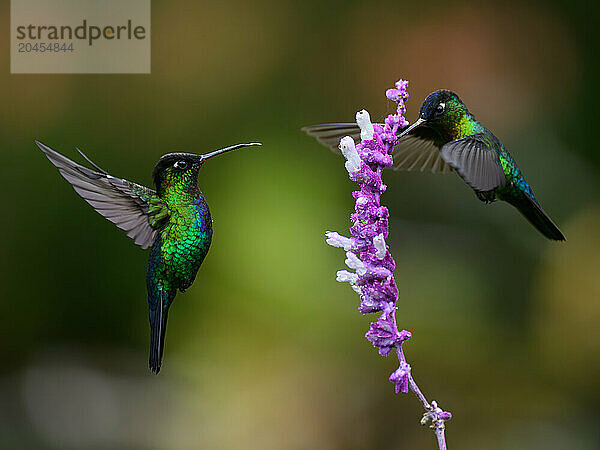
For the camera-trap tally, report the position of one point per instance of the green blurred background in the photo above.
(266, 350)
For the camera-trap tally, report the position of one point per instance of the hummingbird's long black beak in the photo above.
(417, 123)
(202, 158)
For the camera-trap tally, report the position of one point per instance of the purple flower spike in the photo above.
(367, 255)
(366, 250)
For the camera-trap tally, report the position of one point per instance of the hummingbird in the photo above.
(447, 138)
(173, 221)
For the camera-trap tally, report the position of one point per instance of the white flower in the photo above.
(379, 243)
(348, 149)
(363, 120)
(336, 240)
(343, 275)
(353, 262)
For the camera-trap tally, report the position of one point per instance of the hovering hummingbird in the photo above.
(174, 221)
(446, 137)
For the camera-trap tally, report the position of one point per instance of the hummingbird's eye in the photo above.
(181, 165)
(440, 108)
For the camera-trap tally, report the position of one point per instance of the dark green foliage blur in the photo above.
(266, 350)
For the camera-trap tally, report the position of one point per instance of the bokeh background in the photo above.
(266, 350)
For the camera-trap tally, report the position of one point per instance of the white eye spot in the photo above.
(181, 165)
(440, 108)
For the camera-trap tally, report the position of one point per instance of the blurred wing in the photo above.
(126, 204)
(329, 134)
(420, 150)
(413, 152)
(476, 159)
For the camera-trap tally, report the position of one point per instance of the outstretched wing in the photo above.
(130, 206)
(476, 159)
(416, 151)
(329, 134)
(420, 150)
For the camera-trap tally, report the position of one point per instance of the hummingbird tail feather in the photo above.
(534, 213)
(158, 327)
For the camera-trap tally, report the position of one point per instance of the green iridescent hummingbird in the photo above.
(447, 137)
(174, 221)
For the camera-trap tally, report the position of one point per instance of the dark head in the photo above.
(441, 110)
(182, 168)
